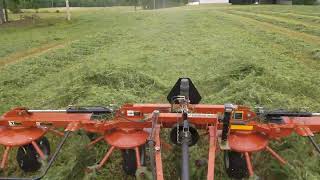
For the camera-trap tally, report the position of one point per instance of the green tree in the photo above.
(13, 6)
(34, 4)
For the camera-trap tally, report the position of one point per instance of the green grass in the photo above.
(253, 55)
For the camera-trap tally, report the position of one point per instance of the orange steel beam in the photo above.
(212, 151)
(201, 115)
(200, 108)
(159, 170)
(197, 119)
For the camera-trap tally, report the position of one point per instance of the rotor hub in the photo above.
(126, 138)
(19, 136)
(247, 141)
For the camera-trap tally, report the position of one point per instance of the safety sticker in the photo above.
(133, 113)
(39, 124)
(13, 123)
(130, 113)
(241, 127)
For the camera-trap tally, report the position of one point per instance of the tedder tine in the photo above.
(275, 155)
(5, 157)
(249, 165)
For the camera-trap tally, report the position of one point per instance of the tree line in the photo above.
(15, 6)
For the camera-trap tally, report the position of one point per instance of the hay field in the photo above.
(253, 55)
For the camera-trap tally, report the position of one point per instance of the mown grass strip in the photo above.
(285, 31)
(302, 27)
(287, 15)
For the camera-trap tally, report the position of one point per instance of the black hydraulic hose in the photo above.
(95, 110)
(290, 114)
(53, 158)
(226, 126)
(315, 145)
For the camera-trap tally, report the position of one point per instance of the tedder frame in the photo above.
(234, 129)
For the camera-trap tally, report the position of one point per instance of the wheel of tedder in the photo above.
(27, 157)
(129, 163)
(177, 141)
(92, 136)
(235, 165)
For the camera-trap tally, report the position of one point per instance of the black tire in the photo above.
(92, 136)
(194, 135)
(129, 164)
(27, 157)
(235, 165)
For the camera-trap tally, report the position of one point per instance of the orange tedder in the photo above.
(134, 129)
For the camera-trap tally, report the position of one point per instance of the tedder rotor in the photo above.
(134, 129)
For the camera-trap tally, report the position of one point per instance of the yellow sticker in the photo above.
(241, 127)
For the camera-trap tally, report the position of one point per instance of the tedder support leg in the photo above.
(138, 157)
(105, 158)
(212, 151)
(5, 157)
(159, 170)
(249, 165)
(275, 155)
(39, 151)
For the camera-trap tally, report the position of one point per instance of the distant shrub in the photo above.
(305, 2)
(297, 1)
(57, 11)
(310, 2)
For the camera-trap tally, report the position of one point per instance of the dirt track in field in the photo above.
(14, 57)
